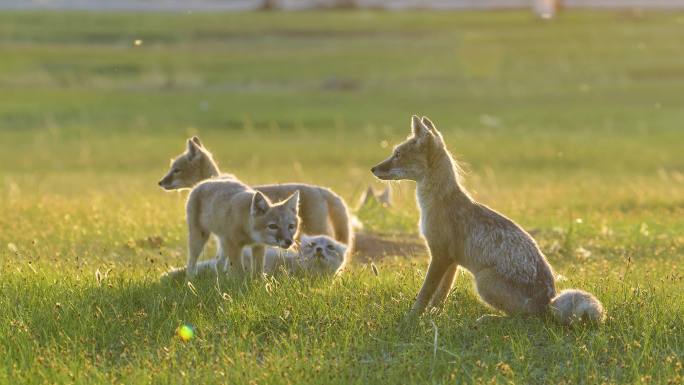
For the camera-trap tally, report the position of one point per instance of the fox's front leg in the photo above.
(258, 256)
(435, 273)
(444, 287)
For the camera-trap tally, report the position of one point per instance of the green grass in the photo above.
(571, 127)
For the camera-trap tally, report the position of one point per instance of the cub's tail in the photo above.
(572, 305)
(339, 217)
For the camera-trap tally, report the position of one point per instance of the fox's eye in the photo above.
(291, 226)
(176, 170)
(272, 226)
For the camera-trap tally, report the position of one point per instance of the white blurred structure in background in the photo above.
(546, 9)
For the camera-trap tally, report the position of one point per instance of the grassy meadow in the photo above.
(574, 128)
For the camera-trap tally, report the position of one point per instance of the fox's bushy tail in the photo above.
(573, 305)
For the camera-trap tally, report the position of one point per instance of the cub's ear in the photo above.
(193, 148)
(197, 141)
(419, 129)
(292, 202)
(260, 204)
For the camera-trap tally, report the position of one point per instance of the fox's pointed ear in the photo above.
(292, 202)
(431, 126)
(260, 204)
(428, 123)
(193, 148)
(419, 129)
(197, 141)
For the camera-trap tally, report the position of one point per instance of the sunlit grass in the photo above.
(572, 128)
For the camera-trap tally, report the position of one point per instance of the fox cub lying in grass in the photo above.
(316, 255)
(321, 210)
(511, 273)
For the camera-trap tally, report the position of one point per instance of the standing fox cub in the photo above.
(318, 205)
(238, 216)
(511, 273)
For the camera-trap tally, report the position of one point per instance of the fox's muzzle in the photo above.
(381, 170)
(285, 243)
(165, 183)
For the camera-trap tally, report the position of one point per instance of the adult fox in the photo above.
(511, 273)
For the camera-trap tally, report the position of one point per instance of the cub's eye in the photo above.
(330, 247)
(272, 226)
(176, 170)
(291, 226)
(311, 244)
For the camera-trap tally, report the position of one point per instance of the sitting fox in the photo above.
(511, 273)
(238, 216)
(317, 255)
(318, 205)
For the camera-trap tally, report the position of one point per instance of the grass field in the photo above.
(574, 128)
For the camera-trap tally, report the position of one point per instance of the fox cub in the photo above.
(511, 273)
(238, 217)
(317, 255)
(319, 207)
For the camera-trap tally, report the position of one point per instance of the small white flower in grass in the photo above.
(12, 247)
(137, 42)
(582, 253)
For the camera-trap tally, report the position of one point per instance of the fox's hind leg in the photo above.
(503, 295)
(314, 215)
(196, 241)
(445, 286)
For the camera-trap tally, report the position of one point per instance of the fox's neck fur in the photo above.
(441, 182)
(209, 167)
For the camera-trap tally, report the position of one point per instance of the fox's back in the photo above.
(214, 200)
(278, 192)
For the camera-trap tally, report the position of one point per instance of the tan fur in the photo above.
(322, 211)
(238, 216)
(318, 255)
(511, 273)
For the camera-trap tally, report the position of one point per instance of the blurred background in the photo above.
(557, 109)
